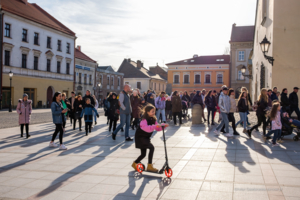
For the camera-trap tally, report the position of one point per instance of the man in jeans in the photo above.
(224, 104)
(125, 113)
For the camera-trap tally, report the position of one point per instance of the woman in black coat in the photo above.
(78, 105)
(285, 103)
(113, 111)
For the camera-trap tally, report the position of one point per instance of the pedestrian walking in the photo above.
(276, 124)
(87, 111)
(244, 89)
(191, 97)
(78, 106)
(168, 108)
(24, 110)
(88, 96)
(72, 108)
(187, 99)
(135, 101)
(160, 104)
(125, 112)
(294, 103)
(211, 105)
(96, 107)
(243, 108)
(151, 99)
(58, 116)
(176, 107)
(285, 103)
(113, 112)
(66, 105)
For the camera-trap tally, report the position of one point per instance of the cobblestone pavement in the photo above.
(96, 167)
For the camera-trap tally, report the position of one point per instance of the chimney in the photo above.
(139, 64)
(195, 55)
(157, 64)
(25, 1)
(79, 47)
(129, 60)
(233, 25)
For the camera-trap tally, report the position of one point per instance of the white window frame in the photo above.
(241, 53)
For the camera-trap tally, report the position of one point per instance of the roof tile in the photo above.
(82, 56)
(216, 59)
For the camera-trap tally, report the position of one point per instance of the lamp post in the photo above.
(265, 45)
(10, 78)
(244, 71)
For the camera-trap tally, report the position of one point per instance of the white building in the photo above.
(38, 49)
(85, 69)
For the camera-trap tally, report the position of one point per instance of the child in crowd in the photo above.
(143, 134)
(88, 115)
(276, 124)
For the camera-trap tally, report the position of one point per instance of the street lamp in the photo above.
(10, 78)
(265, 45)
(243, 70)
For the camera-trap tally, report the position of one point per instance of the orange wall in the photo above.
(190, 87)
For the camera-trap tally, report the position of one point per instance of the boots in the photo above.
(150, 168)
(134, 166)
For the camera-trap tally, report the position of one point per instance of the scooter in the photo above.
(168, 171)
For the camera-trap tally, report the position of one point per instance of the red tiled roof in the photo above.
(242, 33)
(202, 60)
(33, 12)
(82, 56)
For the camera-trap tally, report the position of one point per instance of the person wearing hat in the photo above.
(24, 110)
(293, 98)
(224, 104)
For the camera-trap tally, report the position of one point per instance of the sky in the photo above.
(154, 31)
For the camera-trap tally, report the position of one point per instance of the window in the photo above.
(36, 38)
(241, 55)
(118, 81)
(207, 78)
(197, 78)
(24, 35)
(7, 30)
(58, 45)
(112, 80)
(48, 65)
(35, 62)
(68, 68)
(7, 58)
(85, 76)
(220, 78)
(240, 75)
(68, 47)
(264, 11)
(139, 85)
(58, 66)
(24, 61)
(90, 79)
(49, 42)
(80, 78)
(186, 79)
(108, 80)
(176, 79)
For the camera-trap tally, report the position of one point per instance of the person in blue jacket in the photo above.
(88, 115)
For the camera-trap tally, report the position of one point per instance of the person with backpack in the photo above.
(88, 115)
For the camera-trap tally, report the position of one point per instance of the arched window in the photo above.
(176, 78)
(186, 79)
(197, 78)
(220, 78)
(207, 78)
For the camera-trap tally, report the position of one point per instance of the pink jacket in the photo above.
(24, 110)
(276, 123)
(149, 129)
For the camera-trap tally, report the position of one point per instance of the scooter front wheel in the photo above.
(168, 172)
(140, 167)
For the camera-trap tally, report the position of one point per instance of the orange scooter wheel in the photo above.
(168, 172)
(140, 168)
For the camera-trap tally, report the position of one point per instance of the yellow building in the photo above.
(197, 73)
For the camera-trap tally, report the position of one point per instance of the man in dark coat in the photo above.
(72, 110)
(88, 95)
(192, 96)
(293, 98)
(274, 94)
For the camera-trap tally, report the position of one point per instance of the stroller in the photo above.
(288, 129)
(185, 109)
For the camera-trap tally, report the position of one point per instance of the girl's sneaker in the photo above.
(63, 147)
(275, 145)
(52, 144)
(280, 141)
(217, 132)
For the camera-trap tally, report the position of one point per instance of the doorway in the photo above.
(49, 96)
(5, 97)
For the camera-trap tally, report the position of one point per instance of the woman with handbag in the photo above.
(113, 111)
(78, 105)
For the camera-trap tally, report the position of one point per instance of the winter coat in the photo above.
(284, 100)
(176, 104)
(160, 102)
(87, 111)
(232, 104)
(168, 105)
(293, 98)
(249, 99)
(151, 101)
(114, 109)
(192, 96)
(276, 123)
(135, 105)
(242, 107)
(262, 105)
(144, 132)
(88, 97)
(125, 105)
(186, 98)
(77, 109)
(24, 110)
(224, 103)
(57, 115)
(274, 96)
(269, 101)
(197, 99)
(210, 102)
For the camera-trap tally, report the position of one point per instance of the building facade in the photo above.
(137, 76)
(241, 44)
(197, 73)
(39, 50)
(277, 21)
(85, 70)
(110, 80)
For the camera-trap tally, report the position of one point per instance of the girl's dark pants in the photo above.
(143, 154)
(112, 123)
(210, 111)
(22, 128)
(59, 128)
(261, 120)
(74, 123)
(179, 116)
(231, 119)
(88, 127)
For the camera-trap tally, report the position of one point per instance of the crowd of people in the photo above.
(127, 107)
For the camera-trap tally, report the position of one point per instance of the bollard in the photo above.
(197, 114)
